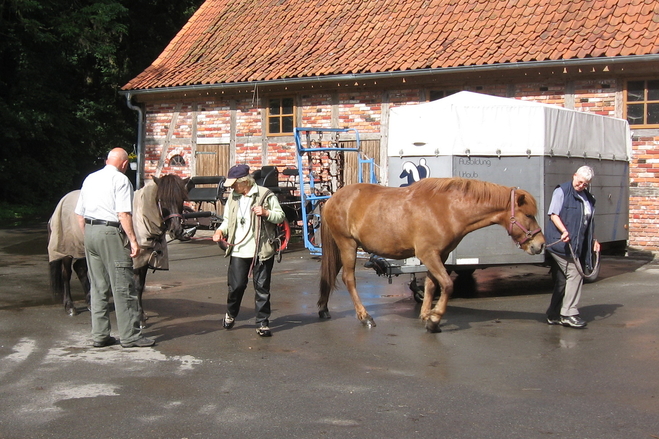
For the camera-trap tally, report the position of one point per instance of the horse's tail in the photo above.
(56, 279)
(330, 265)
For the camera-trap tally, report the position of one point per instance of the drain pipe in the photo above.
(140, 143)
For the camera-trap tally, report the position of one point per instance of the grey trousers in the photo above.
(572, 285)
(111, 273)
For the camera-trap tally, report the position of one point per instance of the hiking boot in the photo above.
(264, 331)
(573, 321)
(228, 321)
(551, 321)
(141, 342)
(107, 342)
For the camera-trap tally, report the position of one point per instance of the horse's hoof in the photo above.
(72, 311)
(369, 322)
(432, 327)
(324, 314)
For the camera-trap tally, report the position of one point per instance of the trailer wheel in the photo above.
(417, 292)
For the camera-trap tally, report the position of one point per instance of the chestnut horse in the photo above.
(427, 219)
(157, 209)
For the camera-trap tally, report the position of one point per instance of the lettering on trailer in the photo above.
(472, 163)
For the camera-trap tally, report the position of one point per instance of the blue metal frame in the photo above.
(307, 190)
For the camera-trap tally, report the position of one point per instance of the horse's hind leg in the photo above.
(349, 258)
(436, 271)
(80, 267)
(69, 306)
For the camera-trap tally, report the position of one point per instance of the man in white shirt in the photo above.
(104, 212)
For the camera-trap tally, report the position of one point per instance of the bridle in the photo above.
(529, 234)
(170, 216)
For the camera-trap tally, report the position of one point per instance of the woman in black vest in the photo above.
(571, 213)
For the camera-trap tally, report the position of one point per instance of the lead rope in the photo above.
(258, 230)
(227, 244)
(577, 262)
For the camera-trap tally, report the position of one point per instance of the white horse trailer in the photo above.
(515, 143)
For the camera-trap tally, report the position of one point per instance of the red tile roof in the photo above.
(229, 41)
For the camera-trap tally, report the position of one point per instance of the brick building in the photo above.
(241, 74)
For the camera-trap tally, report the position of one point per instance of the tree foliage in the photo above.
(62, 63)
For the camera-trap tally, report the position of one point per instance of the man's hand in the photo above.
(134, 249)
(260, 211)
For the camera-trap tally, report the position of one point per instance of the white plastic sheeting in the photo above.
(482, 125)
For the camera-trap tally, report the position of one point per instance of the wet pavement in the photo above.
(496, 370)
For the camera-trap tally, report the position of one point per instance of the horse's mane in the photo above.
(172, 189)
(477, 190)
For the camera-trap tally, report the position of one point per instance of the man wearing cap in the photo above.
(104, 212)
(249, 228)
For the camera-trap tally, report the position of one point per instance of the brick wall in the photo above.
(213, 120)
(316, 111)
(362, 110)
(644, 200)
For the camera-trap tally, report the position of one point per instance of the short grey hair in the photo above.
(246, 179)
(586, 172)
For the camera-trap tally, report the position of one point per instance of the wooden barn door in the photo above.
(212, 160)
(369, 148)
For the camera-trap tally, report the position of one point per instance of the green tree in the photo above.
(61, 66)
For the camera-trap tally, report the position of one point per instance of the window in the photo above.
(177, 160)
(439, 94)
(642, 103)
(281, 117)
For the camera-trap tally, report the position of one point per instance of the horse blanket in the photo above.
(67, 239)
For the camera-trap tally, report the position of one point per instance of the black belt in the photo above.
(97, 222)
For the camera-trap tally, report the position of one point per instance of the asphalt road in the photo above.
(496, 371)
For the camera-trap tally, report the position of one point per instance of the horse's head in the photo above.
(171, 194)
(523, 227)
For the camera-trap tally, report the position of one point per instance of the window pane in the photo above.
(635, 114)
(274, 107)
(653, 114)
(273, 125)
(436, 94)
(177, 160)
(287, 106)
(287, 124)
(653, 90)
(635, 91)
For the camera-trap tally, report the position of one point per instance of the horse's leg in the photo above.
(139, 277)
(69, 307)
(349, 257)
(436, 271)
(80, 267)
(429, 288)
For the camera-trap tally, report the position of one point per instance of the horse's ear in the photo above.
(156, 180)
(521, 199)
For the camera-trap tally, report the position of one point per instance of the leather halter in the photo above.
(170, 216)
(513, 222)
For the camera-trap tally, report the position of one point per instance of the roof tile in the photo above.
(229, 41)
